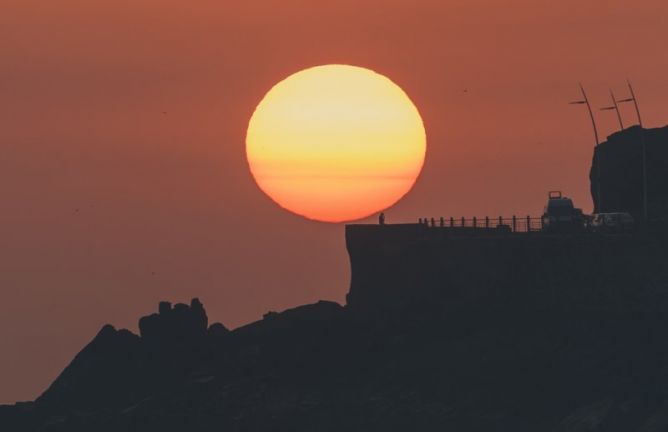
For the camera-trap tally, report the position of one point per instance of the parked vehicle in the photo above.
(560, 214)
(612, 222)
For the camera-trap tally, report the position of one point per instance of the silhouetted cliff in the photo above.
(406, 269)
(618, 161)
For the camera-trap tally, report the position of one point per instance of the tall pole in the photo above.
(585, 101)
(619, 116)
(645, 210)
(635, 102)
(614, 107)
(633, 99)
(591, 114)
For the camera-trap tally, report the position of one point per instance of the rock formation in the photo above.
(618, 163)
(111, 361)
(321, 367)
(180, 324)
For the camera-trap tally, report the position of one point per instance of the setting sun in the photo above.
(336, 143)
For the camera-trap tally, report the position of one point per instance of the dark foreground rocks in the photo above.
(320, 367)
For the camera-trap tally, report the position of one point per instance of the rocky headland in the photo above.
(442, 330)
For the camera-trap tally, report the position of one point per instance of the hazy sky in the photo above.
(110, 205)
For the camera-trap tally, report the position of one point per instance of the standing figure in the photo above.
(381, 219)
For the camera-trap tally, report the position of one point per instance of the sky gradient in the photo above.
(122, 160)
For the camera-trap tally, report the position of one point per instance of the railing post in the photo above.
(528, 224)
(514, 223)
(433, 222)
(486, 221)
(500, 221)
(442, 222)
(463, 222)
(475, 222)
(452, 222)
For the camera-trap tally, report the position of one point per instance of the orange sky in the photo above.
(109, 205)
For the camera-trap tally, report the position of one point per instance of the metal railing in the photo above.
(518, 224)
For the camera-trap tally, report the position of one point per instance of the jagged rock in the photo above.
(312, 368)
(179, 324)
(217, 329)
(111, 361)
(118, 369)
(164, 307)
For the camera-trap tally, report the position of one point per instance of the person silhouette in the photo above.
(381, 219)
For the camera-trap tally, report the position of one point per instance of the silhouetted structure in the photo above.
(621, 184)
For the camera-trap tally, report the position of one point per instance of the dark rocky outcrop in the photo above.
(319, 367)
(618, 161)
(111, 361)
(118, 367)
(181, 324)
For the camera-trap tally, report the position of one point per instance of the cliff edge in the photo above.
(618, 166)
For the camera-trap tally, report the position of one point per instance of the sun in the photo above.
(336, 143)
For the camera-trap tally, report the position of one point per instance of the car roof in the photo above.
(560, 201)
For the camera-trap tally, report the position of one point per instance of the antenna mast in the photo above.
(635, 102)
(644, 150)
(585, 101)
(614, 107)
